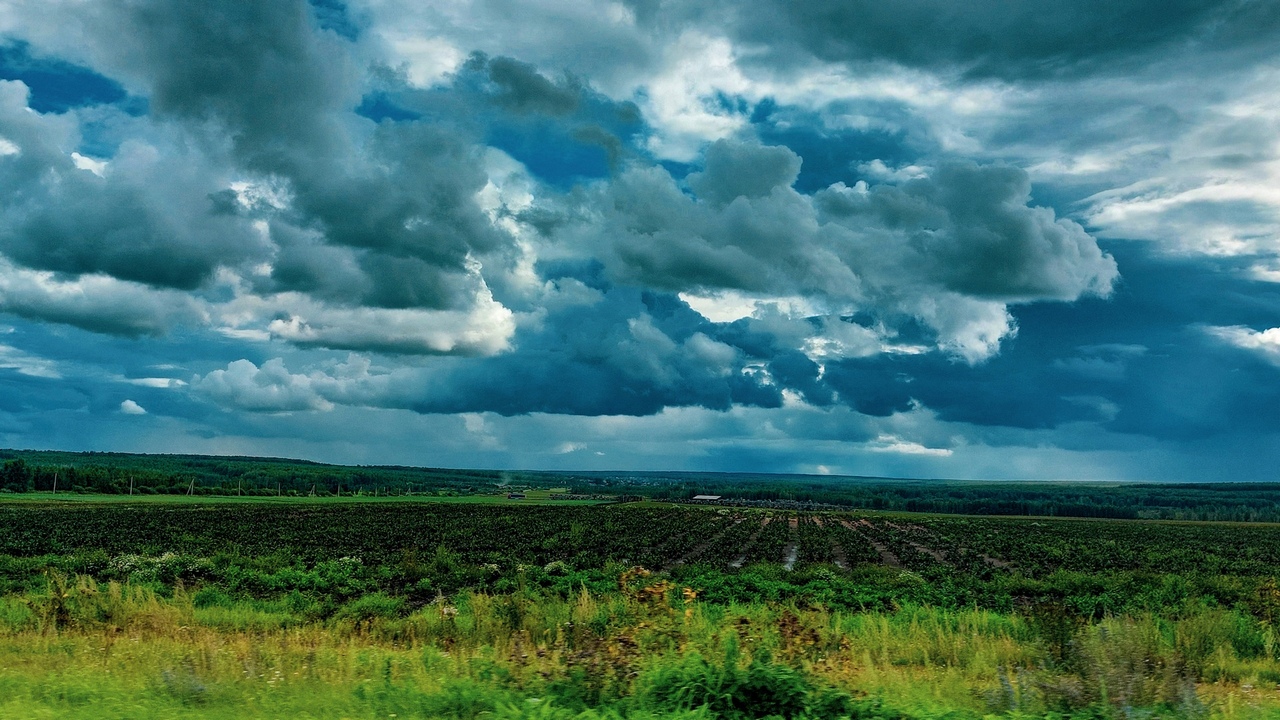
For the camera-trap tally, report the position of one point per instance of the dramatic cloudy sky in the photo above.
(918, 238)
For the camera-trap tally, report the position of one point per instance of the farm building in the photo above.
(515, 496)
(707, 497)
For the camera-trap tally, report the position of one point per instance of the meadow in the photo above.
(401, 607)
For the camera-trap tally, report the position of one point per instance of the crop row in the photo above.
(591, 536)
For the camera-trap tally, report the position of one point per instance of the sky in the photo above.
(912, 239)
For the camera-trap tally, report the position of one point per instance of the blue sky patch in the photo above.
(57, 86)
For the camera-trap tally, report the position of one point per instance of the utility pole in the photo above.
(130, 486)
(277, 488)
(238, 493)
(192, 487)
(55, 482)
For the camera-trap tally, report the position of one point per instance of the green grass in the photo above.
(378, 608)
(117, 651)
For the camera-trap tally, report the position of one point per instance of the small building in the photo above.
(515, 496)
(707, 497)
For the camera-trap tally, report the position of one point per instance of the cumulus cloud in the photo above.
(145, 217)
(282, 94)
(270, 388)
(252, 177)
(129, 407)
(843, 225)
(1265, 343)
(950, 250)
(378, 237)
(96, 302)
(484, 328)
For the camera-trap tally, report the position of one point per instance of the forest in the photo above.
(121, 474)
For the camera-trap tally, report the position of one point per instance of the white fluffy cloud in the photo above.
(129, 407)
(1266, 343)
(270, 388)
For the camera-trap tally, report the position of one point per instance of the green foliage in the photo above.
(540, 612)
(1059, 573)
(211, 597)
(728, 691)
(372, 607)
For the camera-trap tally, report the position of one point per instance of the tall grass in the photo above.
(81, 649)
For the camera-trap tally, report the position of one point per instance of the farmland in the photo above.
(592, 536)
(594, 607)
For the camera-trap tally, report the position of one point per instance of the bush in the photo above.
(210, 597)
(762, 689)
(372, 606)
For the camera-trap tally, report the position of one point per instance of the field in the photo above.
(363, 607)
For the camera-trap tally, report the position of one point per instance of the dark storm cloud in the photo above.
(972, 229)
(627, 353)
(252, 158)
(621, 356)
(964, 229)
(96, 303)
(261, 78)
(735, 170)
(995, 38)
(523, 89)
(1140, 363)
(335, 16)
(149, 220)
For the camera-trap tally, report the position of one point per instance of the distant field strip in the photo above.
(653, 537)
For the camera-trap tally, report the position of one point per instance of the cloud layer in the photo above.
(906, 232)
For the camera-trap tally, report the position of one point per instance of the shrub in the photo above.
(372, 606)
(760, 689)
(210, 597)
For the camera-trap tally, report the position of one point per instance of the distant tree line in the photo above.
(145, 474)
(1239, 502)
(39, 471)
